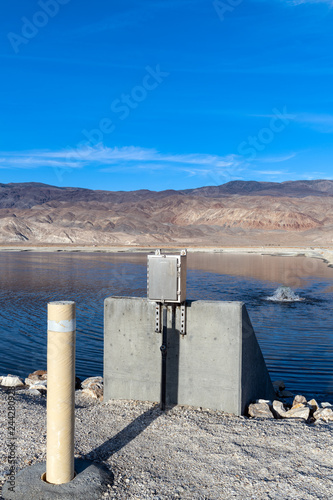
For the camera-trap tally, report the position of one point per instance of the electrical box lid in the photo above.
(166, 277)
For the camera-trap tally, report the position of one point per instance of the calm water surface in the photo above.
(296, 338)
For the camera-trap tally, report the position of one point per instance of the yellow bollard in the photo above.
(60, 391)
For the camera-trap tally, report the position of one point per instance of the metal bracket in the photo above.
(158, 317)
(183, 318)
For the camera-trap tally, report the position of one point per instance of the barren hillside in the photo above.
(236, 213)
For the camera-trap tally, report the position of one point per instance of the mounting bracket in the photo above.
(183, 318)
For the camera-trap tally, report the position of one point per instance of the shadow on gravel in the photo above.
(125, 436)
(23, 396)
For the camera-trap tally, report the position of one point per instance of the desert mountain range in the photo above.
(236, 213)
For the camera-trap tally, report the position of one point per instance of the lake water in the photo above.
(296, 338)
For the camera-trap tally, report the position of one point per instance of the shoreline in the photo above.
(323, 253)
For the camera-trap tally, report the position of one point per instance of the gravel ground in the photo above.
(186, 453)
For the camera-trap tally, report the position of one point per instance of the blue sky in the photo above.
(165, 94)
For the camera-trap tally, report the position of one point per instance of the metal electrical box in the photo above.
(166, 277)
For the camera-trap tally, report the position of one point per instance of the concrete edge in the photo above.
(91, 481)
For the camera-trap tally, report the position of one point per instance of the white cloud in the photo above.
(276, 159)
(212, 169)
(106, 158)
(271, 172)
(300, 2)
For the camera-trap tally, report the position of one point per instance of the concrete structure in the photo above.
(218, 364)
(92, 480)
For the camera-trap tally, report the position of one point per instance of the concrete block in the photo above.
(218, 364)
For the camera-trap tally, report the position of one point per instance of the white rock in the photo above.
(42, 384)
(326, 405)
(34, 392)
(300, 411)
(325, 414)
(29, 381)
(267, 401)
(12, 381)
(299, 399)
(313, 404)
(91, 380)
(260, 410)
(279, 409)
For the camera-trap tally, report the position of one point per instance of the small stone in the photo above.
(299, 399)
(286, 394)
(267, 401)
(38, 375)
(260, 410)
(279, 385)
(93, 393)
(91, 380)
(325, 414)
(298, 411)
(34, 392)
(313, 404)
(279, 409)
(326, 405)
(93, 386)
(12, 381)
(40, 384)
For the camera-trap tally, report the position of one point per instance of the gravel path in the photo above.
(186, 453)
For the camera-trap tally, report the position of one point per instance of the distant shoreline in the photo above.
(325, 254)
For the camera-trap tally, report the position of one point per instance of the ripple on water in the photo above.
(295, 336)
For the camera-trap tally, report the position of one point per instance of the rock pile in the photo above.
(93, 386)
(309, 411)
(11, 381)
(36, 384)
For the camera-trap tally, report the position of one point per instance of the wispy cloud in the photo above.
(208, 167)
(272, 172)
(320, 122)
(106, 158)
(277, 158)
(300, 2)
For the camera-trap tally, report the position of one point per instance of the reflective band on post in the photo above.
(64, 326)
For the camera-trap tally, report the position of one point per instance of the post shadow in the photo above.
(126, 435)
(135, 428)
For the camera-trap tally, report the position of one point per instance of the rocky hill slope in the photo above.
(236, 213)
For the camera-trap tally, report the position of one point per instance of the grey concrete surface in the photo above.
(218, 364)
(91, 482)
